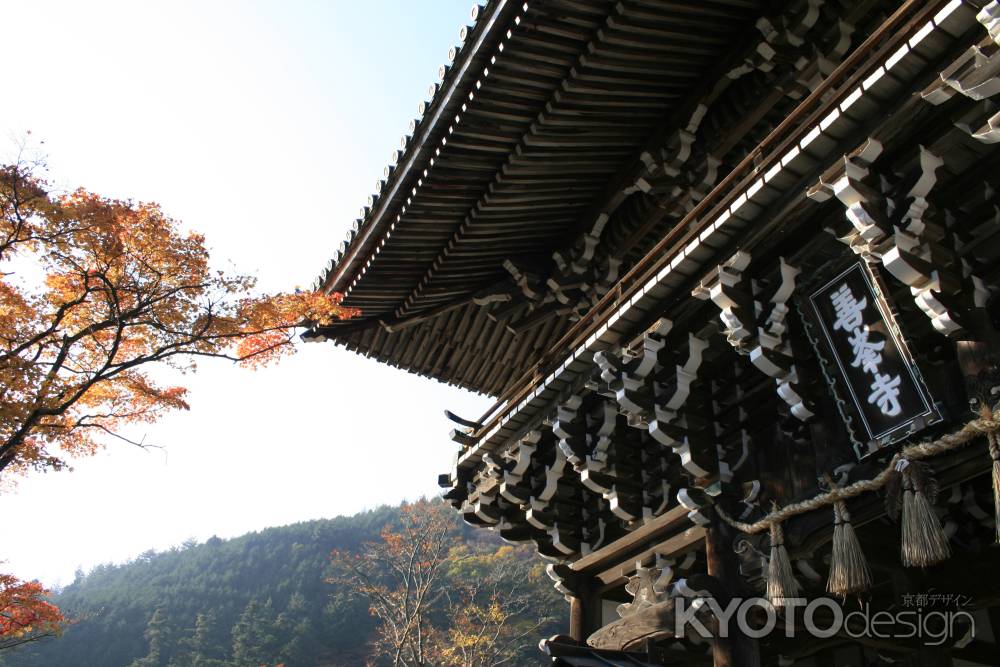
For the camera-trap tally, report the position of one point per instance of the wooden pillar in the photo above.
(584, 612)
(577, 620)
(736, 650)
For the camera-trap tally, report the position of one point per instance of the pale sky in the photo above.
(263, 125)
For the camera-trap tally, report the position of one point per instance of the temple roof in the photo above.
(544, 108)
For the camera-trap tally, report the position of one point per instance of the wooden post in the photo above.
(736, 650)
(577, 623)
(584, 612)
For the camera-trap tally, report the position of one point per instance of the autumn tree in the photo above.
(25, 613)
(496, 606)
(93, 293)
(399, 576)
(440, 602)
(95, 290)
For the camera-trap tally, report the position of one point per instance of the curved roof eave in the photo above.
(493, 21)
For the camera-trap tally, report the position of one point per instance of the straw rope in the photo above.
(988, 426)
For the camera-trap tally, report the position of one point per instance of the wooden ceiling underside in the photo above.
(549, 137)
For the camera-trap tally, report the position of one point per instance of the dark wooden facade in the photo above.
(625, 220)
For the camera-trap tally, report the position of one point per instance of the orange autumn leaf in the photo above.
(25, 614)
(113, 287)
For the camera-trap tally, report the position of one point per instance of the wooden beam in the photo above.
(679, 544)
(619, 549)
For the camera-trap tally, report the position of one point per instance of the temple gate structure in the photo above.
(731, 270)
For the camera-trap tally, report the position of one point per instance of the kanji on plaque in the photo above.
(859, 329)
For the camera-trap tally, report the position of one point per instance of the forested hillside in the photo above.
(260, 599)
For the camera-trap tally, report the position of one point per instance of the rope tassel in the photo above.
(781, 582)
(993, 439)
(924, 542)
(995, 453)
(849, 573)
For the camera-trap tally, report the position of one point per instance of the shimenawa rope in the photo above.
(986, 425)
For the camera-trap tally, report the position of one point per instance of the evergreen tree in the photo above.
(202, 648)
(253, 635)
(295, 625)
(158, 636)
(113, 606)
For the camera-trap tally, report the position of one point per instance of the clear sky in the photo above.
(263, 125)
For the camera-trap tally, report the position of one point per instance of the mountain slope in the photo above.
(257, 599)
